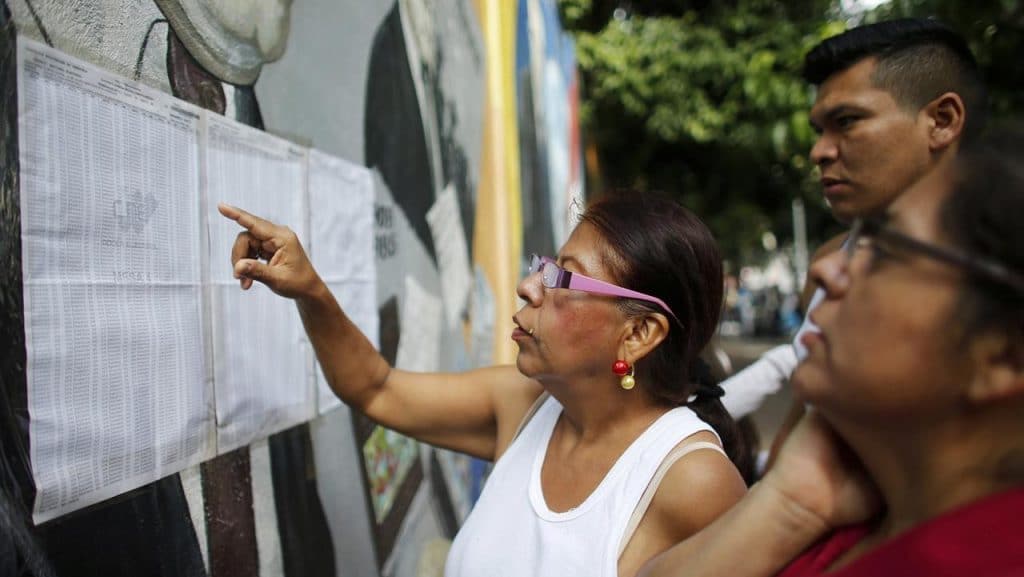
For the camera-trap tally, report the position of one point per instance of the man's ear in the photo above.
(947, 117)
(644, 334)
(998, 364)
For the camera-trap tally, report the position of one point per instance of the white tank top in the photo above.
(511, 532)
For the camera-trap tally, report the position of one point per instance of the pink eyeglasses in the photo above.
(554, 276)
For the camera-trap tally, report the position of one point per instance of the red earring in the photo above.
(620, 367)
(624, 370)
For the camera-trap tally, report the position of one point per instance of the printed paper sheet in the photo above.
(144, 356)
(341, 246)
(118, 388)
(262, 360)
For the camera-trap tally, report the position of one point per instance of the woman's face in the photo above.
(888, 342)
(575, 334)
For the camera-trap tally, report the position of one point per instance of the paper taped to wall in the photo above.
(144, 357)
(118, 388)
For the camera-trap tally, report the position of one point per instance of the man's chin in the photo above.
(848, 207)
(843, 213)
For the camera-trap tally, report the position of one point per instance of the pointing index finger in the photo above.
(258, 227)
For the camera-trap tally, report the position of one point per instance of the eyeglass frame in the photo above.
(872, 228)
(581, 282)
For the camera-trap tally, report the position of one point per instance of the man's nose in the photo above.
(824, 150)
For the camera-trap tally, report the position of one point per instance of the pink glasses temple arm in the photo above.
(591, 285)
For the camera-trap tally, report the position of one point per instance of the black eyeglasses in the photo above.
(871, 231)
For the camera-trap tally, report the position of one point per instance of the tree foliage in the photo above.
(705, 100)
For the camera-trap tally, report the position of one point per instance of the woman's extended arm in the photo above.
(466, 412)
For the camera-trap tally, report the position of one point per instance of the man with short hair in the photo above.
(895, 102)
(892, 104)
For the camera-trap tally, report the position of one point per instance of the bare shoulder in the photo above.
(695, 491)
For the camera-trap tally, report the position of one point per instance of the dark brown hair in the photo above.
(656, 246)
(982, 217)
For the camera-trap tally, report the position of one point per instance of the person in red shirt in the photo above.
(911, 459)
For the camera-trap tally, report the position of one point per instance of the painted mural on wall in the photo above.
(397, 87)
(389, 457)
(424, 87)
(547, 87)
(232, 40)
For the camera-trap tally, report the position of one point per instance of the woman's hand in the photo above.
(816, 472)
(287, 271)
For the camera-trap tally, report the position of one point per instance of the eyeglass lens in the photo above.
(548, 270)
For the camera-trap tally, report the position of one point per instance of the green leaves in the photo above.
(731, 79)
(704, 98)
(706, 102)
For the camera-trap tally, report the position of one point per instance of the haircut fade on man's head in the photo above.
(919, 59)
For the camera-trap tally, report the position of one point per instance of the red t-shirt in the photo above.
(983, 539)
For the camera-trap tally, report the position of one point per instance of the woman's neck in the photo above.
(925, 475)
(923, 472)
(597, 410)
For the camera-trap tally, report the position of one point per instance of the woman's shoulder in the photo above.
(696, 488)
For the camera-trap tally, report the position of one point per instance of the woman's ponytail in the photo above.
(707, 403)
